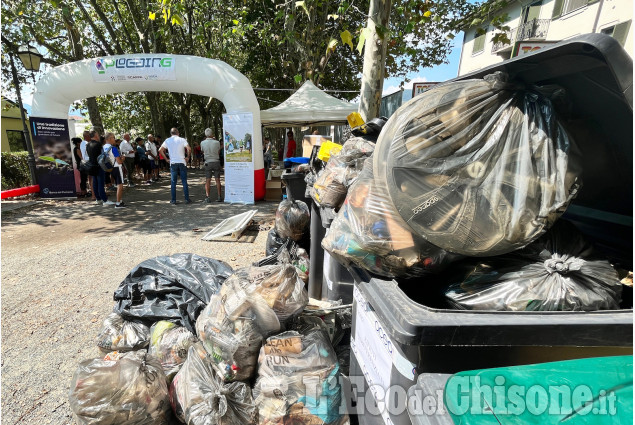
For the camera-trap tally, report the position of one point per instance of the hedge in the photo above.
(14, 169)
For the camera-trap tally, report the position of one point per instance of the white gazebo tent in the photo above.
(308, 106)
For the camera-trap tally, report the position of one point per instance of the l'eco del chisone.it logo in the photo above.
(103, 65)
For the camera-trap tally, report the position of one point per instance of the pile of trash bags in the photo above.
(253, 304)
(471, 168)
(291, 230)
(298, 380)
(156, 368)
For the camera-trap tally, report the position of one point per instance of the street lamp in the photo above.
(30, 58)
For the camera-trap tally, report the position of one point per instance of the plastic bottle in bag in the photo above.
(170, 343)
(292, 219)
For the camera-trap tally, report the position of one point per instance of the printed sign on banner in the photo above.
(239, 160)
(53, 157)
(135, 68)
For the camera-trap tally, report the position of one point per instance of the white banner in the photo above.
(239, 159)
(133, 68)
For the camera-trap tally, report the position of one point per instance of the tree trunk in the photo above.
(157, 120)
(95, 116)
(374, 59)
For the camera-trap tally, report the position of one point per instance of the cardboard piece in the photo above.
(313, 140)
(273, 190)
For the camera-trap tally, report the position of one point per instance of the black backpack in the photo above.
(104, 160)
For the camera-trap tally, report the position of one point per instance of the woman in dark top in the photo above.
(77, 154)
(94, 149)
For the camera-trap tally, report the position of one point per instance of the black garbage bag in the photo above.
(558, 272)
(175, 288)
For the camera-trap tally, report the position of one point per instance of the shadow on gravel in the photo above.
(149, 210)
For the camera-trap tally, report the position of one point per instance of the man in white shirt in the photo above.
(211, 152)
(153, 156)
(125, 148)
(178, 150)
(117, 172)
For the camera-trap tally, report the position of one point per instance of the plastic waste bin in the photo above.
(399, 330)
(338, 282)
(296, 187)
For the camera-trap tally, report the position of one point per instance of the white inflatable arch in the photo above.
(63, 85)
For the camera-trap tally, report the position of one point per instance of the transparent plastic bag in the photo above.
(124, 389)
(232, 328)
(279, 285)
(558, 272)
(199, 397)
(478, 167)
(117, 334)
(292, 219)
(298, 380)
(170, 343)
(369, 233)
(330, 188)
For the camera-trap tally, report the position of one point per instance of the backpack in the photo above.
(104, 160)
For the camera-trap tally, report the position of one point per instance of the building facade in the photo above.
(13, 139)
(538, 23)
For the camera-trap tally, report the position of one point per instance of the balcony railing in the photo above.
(535, 29)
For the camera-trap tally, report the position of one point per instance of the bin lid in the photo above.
(551, 393)
(597, 74)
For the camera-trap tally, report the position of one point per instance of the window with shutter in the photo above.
(479, 43)
(562, 7)
(557, 9)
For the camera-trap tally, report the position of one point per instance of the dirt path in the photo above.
(61, 262)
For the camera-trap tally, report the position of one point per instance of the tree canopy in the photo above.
(276, 44)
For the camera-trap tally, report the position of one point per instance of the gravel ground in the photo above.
(61, 262)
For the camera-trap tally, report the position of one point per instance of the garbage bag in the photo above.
(479, 167)
(331, 186)
(368, 233)
(199, 397)
(117, 334)
(298, 380)
(292, 219)
(278, 285)
(170, 343)
(291, 252)
(175, 288)
(123, 389)
(559, 272)
(232, 328)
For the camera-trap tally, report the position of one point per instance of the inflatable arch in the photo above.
(63, 85)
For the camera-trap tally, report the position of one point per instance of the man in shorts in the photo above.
(211, 154)
(117, 172)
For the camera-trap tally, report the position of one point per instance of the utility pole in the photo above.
(374, 59)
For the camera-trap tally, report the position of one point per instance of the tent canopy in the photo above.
(308, 106)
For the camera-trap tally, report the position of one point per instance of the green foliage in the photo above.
(15, 170)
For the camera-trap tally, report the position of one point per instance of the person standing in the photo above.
(93, 149)
(126, 149)
(211, 154)
(144, 162)
(290, 153)
(153, 156)
(178, 150)
(157, 143)
(117, 171)
(77, 154)
(82, 147)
